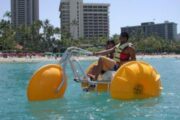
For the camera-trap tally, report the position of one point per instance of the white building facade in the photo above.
(79, 20)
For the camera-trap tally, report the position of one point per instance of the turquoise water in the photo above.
(78, 105)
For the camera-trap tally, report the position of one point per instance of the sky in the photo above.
(122, 12)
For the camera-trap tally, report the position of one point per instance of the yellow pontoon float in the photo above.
(133, 80)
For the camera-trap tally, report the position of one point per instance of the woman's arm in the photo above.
(105, 52)
(132, 54)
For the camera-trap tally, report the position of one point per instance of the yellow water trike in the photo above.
(133, 80)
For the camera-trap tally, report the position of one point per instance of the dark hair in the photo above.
(110, 42)
(124, 34)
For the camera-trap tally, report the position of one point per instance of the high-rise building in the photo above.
(178, 37)
(24, 12)
(166, 30)
(72, 18)
(84, 20)
(96, 20)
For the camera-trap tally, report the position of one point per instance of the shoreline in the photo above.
(53, 59)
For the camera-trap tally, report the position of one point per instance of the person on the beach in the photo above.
(122, 53)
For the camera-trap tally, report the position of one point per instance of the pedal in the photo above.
(76, 80)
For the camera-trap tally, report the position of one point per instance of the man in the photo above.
(123, 52)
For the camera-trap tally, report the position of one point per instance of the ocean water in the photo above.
(79, 105)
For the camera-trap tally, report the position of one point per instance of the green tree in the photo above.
(115, 38)
(47, 36)
(7, 15)
(7, 36)
(35, 35)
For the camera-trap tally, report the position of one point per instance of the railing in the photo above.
(78, 72)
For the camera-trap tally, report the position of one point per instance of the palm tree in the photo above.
(48, 32)
(7, 15)
(35, 35)
(7, 35)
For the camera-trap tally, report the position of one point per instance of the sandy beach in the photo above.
(26, 59)
(43, 59)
